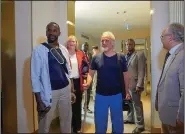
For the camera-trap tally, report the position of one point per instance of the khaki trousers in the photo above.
(61, 101)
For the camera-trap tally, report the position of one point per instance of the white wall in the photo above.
(44, 12)
(25, 122)
(92, 41)
(160, 20)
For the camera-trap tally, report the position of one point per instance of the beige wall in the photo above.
(91, 40)
(134, 34)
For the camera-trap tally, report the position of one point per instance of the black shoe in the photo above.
(138, 130)
(128, 122)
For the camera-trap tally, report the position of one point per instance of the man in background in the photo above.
(95, 51)
(170, 90)
(85, 49)
(136, 68)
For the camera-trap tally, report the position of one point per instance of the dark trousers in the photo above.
(76, 107)
(88, 96)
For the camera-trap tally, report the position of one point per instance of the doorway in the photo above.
(125, 20)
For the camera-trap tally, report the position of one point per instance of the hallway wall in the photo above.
(23, 40)
(52, 11)
(81, 40)
(55, 11)
(157, 51)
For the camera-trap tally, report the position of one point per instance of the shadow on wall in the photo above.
(41, 39)
(27, 95)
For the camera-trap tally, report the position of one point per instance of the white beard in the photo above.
(104, 49)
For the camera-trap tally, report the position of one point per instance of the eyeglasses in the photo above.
(162, 36)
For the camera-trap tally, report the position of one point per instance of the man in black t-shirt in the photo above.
(108, 89)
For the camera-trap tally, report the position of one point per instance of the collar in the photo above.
(58, 44)
(130, 53)
(173, 49)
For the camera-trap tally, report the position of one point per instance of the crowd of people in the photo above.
(61, 73)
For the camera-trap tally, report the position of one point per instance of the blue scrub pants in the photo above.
(102, 105)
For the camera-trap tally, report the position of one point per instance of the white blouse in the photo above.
(74, 66)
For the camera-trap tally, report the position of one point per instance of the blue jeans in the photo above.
(102, 104)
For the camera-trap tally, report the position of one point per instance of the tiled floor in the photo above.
(90, 127)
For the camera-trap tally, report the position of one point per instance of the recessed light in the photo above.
(152, 11)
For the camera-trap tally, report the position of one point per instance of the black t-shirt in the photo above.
(108, 73)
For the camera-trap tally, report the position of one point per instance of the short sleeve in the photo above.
(124, 63)
(93, 65)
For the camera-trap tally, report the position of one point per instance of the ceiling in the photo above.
(94, 17)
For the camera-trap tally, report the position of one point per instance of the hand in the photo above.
(73, 90)
(138, 90)
(128, 97)
(73, 98)
(179, 123)
(40, 106)
(86, 86)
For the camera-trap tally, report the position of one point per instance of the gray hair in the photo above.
(177, 30)
(109, 35)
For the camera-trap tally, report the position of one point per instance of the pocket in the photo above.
(173, 103)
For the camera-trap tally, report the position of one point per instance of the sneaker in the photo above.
(138, 130)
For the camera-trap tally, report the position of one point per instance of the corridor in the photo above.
(90, 127)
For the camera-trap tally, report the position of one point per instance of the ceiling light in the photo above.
(70, 23)
(152, 11)
(127, 26)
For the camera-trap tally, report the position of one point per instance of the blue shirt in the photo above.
(40, 71)
(108, 74)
